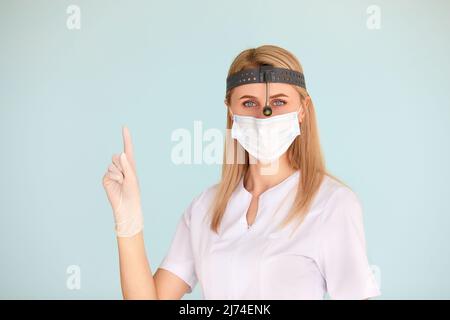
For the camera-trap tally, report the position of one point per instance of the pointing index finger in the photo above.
(128, 145)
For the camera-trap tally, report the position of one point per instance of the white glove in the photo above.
(122, 188)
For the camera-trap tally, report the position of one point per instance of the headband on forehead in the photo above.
(266, 73)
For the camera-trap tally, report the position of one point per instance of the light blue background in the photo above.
(382, 99)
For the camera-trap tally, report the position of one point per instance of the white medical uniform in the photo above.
(327, 252)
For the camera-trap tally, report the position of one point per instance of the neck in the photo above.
(260, 177)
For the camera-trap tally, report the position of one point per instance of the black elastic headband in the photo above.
(266, 73)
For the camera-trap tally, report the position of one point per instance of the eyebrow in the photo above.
(271, 97)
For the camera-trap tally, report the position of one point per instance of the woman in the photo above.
(276, 226)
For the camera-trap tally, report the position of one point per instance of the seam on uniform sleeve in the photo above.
(351, 209)
(323, 216)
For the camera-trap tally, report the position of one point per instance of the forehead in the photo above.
(259, 90)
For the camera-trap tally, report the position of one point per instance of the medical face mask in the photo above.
(266, 139)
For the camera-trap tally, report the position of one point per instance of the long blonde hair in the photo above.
(304, 154)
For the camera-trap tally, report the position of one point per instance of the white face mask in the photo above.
(266, 139)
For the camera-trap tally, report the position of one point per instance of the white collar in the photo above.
(274, 191)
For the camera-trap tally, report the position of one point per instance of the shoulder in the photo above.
(338, 200)
(202, 201)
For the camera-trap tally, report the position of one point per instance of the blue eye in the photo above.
(284, 102)
(245, 105)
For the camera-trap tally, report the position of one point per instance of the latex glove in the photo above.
(122, 188)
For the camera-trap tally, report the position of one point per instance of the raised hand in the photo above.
(122, 189)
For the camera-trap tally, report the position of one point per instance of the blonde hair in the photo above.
(304, 154)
